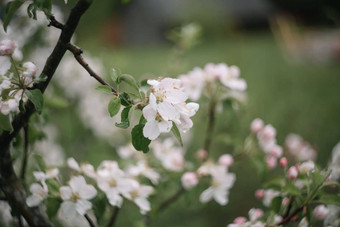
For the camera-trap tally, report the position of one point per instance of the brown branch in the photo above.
(113, 217)
(9, 183)
(55, 23)
(25, 158)
(77, 52)
(289, 217)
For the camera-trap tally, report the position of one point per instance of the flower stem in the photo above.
(89, 220)
(210, 127)
(113, 217)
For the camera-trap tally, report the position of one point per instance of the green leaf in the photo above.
(114, 106)
(99, 206)
(115, 76)
(36, 98)
(176, 132)
(5, 123)
(317, 177)
(292, 190)
(40, 161)
(104, 88)
(125, 123)
(52, 206)
(275, 184)
(11, 7)
(276, 204)
(138, 140)
(330, 199)
(129, 80)
(125, 99)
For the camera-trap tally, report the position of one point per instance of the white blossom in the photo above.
(189, 180)
(39, 193)
(7, 47)
(84, 168)
(143, 169)
(75, 197)
(219, 190)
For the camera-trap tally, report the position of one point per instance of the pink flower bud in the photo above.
(6, 47)
(255, 214)
(268, 132)
(189, 180)
(30, 69)
(283, 162)
(226, 160)
(285, 201)
(293, 173)
(320, 212)
(240, 220)
(276, 151)
(256, 125)
(202, 154)
(271, 162)
(259, 194)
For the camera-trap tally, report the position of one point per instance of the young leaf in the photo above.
(125, 99)
(139, 142)
(52, 206)
(10, 10)
(129, 80)
(292, 190)
(36, 98)
(114, 106)
(125, 123)
(330, 199)
(176, 132)
(5, 123)
(104, 88)
(276, 204)
(115, 76)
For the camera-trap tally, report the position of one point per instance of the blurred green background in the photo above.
(292, 83)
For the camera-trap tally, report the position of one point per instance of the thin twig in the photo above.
(77, 52)
(20, 221)
(113, 217)
(89, 220)
(289, 217)
(210, 127)
(170, 200)
(25, 158)
(55, 23)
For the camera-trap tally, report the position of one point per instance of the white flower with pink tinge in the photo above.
(39, 193)
(111, 180)
(219, 190)
(7, 47)
(143, 169)
(8, 106)
(75, 197)
(171, 157)
(138, 194)
(193, 83)
(84, 168)
(166, 105)
(189, 180)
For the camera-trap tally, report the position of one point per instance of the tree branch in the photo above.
(171, 199)
(9, 183)
(25, 158)
(77, 55)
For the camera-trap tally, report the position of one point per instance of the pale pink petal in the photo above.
(151, 130)
(207, 195)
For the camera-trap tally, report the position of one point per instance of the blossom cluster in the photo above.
(166, 107)
(13, 82)
(207, 80)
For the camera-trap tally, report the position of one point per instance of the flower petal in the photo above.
(151, 130)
